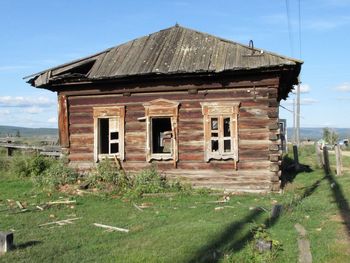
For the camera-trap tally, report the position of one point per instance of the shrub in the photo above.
(26, 165)
(108, 176)
(149, 181)
(57, 174)
(4, 165)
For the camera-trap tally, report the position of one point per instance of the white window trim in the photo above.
(220, 110)
(162, 108)
(111, 112)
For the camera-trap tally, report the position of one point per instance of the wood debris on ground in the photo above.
(137, 207)
(145, 205)
(61, 222)
(223, 207)
(112, 228)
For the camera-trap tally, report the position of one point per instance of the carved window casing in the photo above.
(162, 134)
(220, 130)
(109, 132)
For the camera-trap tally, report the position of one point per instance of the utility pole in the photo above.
(294, 122)
(298, 115)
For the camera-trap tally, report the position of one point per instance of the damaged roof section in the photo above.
(176, 50)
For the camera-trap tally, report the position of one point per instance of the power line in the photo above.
(299, 9)
(289, 28)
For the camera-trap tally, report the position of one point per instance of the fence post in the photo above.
(320, 160)
(326, 161)
(296, 157)
(338, 158)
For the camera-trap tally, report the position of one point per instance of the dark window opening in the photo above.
(214, 145)
(81, 69)
(214, 134)
(227, 145)
(227, 130)
(114, 135)
(114, 148)
(161, 135)
(104, 134)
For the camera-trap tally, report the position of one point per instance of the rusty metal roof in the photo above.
(176, 50)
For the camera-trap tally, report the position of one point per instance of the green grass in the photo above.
(180, 228)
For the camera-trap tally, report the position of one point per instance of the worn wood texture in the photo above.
(257, 169)
(63, 117)
(176, 50)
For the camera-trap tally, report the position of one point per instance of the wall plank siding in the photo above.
(257, 143)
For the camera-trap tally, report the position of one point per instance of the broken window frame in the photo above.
(162, 108)
(220, 110)
(116, 114)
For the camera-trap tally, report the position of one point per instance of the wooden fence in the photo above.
(52, 151)
(323, 159)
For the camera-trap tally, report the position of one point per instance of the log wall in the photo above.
(259, 154)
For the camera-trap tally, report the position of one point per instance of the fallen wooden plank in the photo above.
(61, 222)
(137, 207)
(112, 228)
(65, 202)
(19, 204)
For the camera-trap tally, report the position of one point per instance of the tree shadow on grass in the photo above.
(213, 251)
(339, 197)
(227, 240)
(290, 170)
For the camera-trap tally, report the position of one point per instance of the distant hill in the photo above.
(14, 131)
(316, 133)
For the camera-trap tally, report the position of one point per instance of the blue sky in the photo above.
(37, 34)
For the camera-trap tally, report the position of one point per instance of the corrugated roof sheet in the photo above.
(170, 51)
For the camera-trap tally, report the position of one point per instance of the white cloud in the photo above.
(9, 101)
(52, 120)
(308, 101)
(345, 87)
(303, 101)
(304, 88)
(4, 112)
(34, 110)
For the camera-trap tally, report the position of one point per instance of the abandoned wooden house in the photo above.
(198, 106)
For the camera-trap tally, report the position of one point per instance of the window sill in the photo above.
(108, 156)
(161, 157)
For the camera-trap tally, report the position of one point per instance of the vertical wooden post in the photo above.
(327, 169)
(6, 242)
(9, 151)
(296, 157)
(338, 158)
(63, 125)
(320, 161)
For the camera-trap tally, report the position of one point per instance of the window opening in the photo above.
(220, 130)
(108, 136)
(161, 135)
(109, 132)
(104, 128)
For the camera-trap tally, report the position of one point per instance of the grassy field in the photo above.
(181, 227)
